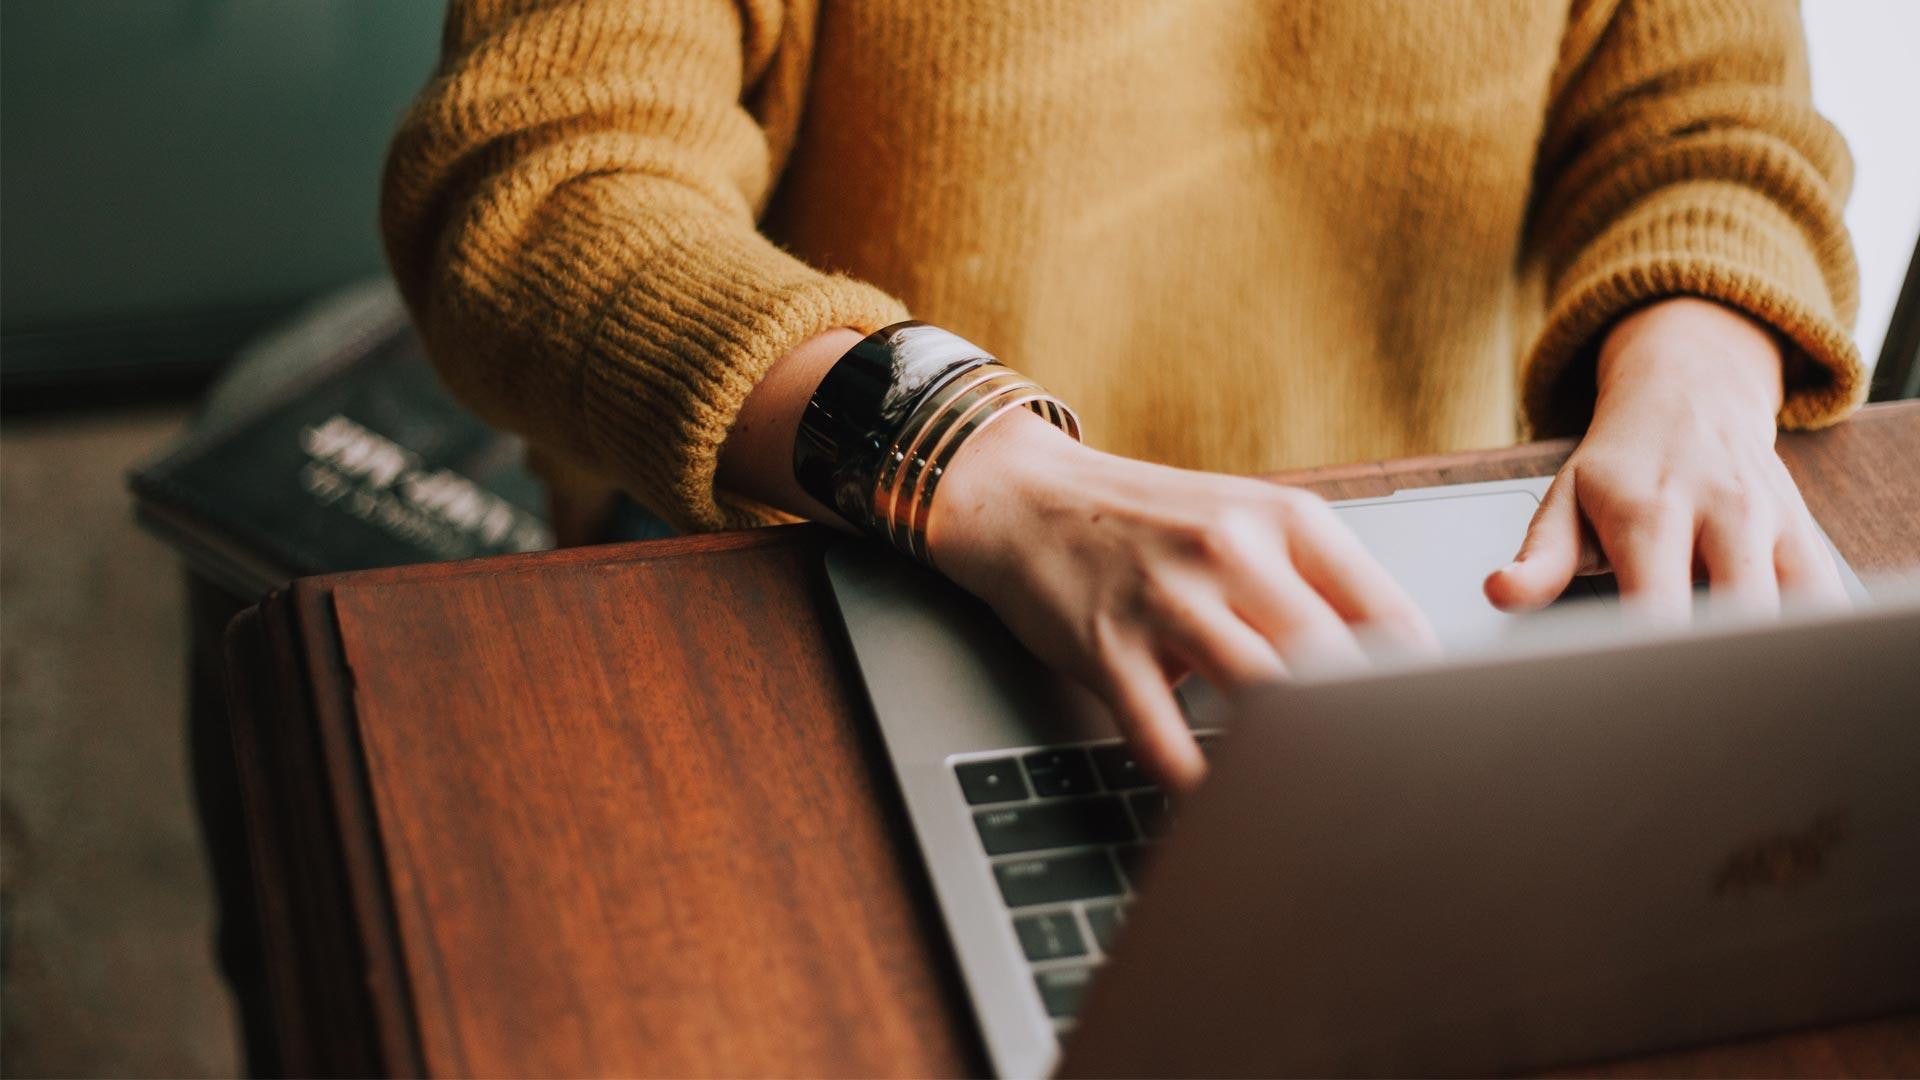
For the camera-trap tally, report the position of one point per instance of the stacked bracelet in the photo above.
(881, 429)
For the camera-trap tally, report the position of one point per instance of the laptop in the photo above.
(1039, 831)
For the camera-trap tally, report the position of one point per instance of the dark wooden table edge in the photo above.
(305, 795)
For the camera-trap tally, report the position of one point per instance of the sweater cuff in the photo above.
(679, 349)
(1717, 241)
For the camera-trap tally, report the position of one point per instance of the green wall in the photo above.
(167, 157)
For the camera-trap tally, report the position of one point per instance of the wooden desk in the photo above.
(622, 810)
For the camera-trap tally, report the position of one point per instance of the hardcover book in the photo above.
(331, 446)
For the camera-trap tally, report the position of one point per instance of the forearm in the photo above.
(756, 461)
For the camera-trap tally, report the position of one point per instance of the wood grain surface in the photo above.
(624, 836)
(622, 811)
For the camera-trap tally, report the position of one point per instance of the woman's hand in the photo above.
(1127, 575)
(1122, 574)
(1677, 477)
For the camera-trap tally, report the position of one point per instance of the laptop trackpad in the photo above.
(1441, 547)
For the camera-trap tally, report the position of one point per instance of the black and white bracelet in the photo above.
(890, 415)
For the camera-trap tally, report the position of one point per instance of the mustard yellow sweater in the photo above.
(1238, 235)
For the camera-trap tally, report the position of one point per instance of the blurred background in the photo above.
(180, 173)
(179, 177)
(176, 177)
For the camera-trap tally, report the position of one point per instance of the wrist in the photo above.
(884, 426)
(1001, 466)
(756, 460)
(1699, 351)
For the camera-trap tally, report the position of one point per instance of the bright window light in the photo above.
(1865, 81)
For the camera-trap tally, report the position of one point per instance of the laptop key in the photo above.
(1051, 936)
(1151, 810)
(993, 781)
(1062, 988)
(1081, 875)
(1060, 772)
(1118, 769)
(1132, 859)
(1066, 823)
(1104, 920)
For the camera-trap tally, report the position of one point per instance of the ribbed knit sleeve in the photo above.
(1682, 156)
(570, 210)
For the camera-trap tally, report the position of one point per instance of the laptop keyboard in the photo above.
(1066, 830)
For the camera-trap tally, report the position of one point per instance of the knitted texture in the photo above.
(1241, 236)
